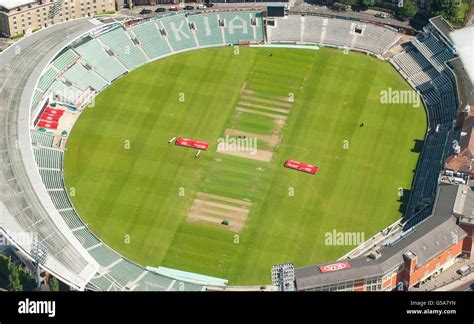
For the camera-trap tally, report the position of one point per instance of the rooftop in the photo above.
(464, 160)
(442, 25)
(10, 4)
(463, 39)
(465, 85)
(428, 239)
(464, 202)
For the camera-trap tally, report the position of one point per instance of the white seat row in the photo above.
(96, 56)
(333, 31)
(48, 158)
(52, 179)
(119, 42)
(41, 138)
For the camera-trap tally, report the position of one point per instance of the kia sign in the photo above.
(335, 266)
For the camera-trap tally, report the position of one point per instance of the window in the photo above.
(374, 283)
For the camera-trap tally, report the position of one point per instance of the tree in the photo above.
(409, 9)
(348, 2)
(53, 284)
(367, 3)
(446, 8)
(4, 265)
(27, 280)
(14, 282)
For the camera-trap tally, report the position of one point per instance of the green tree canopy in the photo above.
(367, 3)
(348, 2)
(53, 284)
(14, 282)
(409, 9)
(446, 8)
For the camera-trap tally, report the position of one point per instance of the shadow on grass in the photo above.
(418, 146)
(403, 200)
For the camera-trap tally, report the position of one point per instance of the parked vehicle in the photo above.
(381, 15)
(464, 270)
(145, 12)
(174, 8)
(189, 8)
(160, 9)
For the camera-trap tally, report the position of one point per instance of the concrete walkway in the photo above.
(361, 15)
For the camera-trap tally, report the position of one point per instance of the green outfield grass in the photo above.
(131, 197)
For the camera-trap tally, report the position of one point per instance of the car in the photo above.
(201, 7)
(189, 8)
(160, 9)
(464, 270)
(381, 15)
(209, 5)
(174, 8)
(145, 12)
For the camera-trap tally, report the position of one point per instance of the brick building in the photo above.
(464, 211)
(405, 261)
(19, 17)
(462, 160)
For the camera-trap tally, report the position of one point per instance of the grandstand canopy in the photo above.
(428, 239)
(464, 41)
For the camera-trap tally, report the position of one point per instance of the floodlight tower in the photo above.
(39, 252)
(283, 276)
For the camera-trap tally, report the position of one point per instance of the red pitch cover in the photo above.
(49, 117)
(184, 142)
(292, 164)
(200, 145)
(46, 124)
(191, 143)
(53, 111)
(308, 168)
